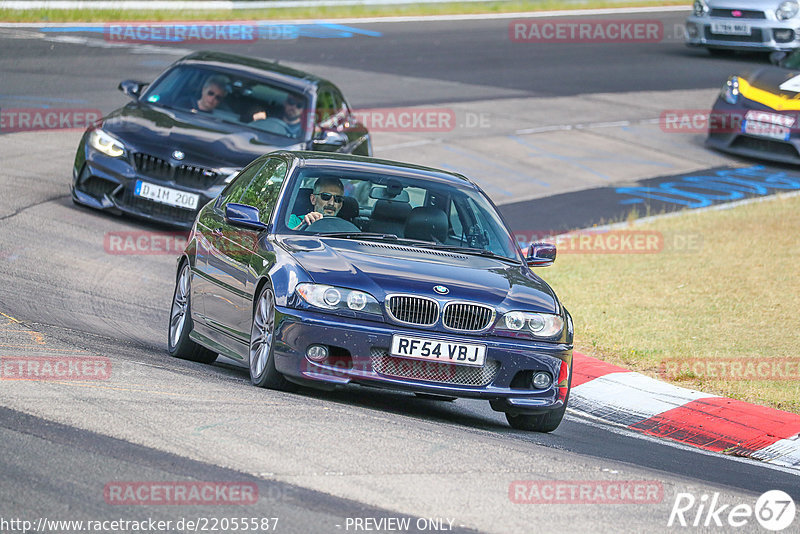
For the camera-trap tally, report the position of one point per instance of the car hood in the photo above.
(764, 86)
(204, 141)
(382, 268)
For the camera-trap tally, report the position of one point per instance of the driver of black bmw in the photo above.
(326, 200)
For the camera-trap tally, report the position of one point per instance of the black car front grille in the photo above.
(430, 371)
(755, 36)
(777, 148)
(467, 316)
(742, 14)
(421, 311)
(185, 175)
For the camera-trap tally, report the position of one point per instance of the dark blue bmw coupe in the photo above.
(326, 270)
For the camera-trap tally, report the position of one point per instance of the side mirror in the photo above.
(132, 88)
(541, 255)
(777, 57)
(329, 140)
(243, 216)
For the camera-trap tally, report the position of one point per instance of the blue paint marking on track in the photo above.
(266, 31)
(699, 191)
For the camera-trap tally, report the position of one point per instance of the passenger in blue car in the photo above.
(326, 199)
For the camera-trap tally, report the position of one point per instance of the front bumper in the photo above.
(765, 34)
(359, 353)
(733, 140)
(107, 183)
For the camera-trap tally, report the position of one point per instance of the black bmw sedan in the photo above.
(185, 136)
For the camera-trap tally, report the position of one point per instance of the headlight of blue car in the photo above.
(333, 298)
(533, 325)
(730, 91)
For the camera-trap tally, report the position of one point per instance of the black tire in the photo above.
(543, 422)
(261, 353)
(180, 322)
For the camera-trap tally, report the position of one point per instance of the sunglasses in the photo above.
(295, 103)
(327, 196)
(217, 96)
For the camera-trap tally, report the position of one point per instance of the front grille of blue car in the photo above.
(408, 309)
(429, 371)
(467, 316)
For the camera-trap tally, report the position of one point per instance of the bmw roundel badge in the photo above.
(178, 155)
(441, 290)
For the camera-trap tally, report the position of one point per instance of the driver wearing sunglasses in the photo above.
(326, 199)
(214, 91)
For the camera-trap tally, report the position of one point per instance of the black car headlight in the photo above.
(536, 325)
(730, 91)
(786, 10)
(338, 298)
(700, 8)
(106, 143)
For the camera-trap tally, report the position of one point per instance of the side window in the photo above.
(325, 106)
(234, 191)
(264, 189)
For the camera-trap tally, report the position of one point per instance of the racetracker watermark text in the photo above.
(35, 119)
(55, 368)
(613, 241)
(586, 31)
(732, 369)
(586, 492)
(180, 493)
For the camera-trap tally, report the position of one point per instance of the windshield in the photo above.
(394, 207)
(232, 98)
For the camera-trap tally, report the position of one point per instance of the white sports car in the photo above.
(721, 25)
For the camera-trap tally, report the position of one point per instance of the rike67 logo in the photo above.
(774, 511)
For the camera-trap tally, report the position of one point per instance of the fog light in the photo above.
(317, 353)
(783, 36)
(541, 380)
(692, 30)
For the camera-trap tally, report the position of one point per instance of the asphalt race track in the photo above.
(558, 119)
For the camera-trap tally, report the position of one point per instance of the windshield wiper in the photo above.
(471, 251)
(360, 235)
